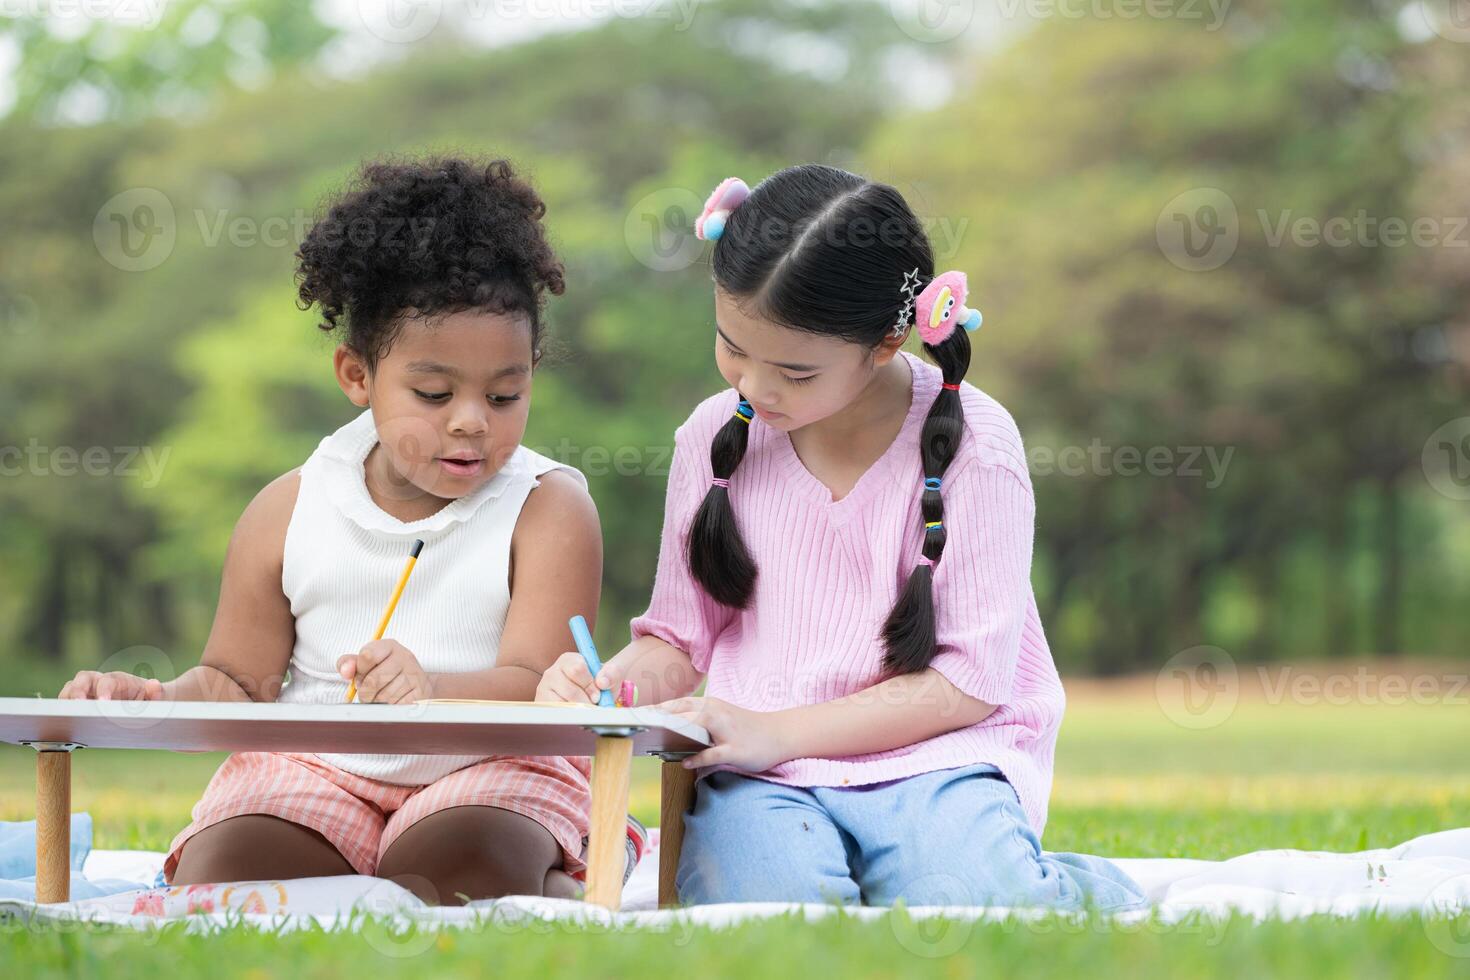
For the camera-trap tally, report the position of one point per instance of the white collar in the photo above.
(342, 455)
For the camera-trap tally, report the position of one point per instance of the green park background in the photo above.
(1267, 453)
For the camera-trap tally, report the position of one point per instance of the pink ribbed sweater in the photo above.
(830, 572)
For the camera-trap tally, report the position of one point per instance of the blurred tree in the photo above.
(1111, 324)
(170, 58)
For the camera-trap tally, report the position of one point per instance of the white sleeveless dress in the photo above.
(343, 557)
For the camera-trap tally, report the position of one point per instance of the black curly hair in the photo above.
(419, 238)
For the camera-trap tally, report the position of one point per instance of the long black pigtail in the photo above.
(718, 558)
(909, 635)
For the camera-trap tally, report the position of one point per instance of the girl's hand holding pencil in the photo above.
(580, 677)
(569, 680)
(386, 659)
(386, 672)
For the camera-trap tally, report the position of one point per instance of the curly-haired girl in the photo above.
(433, 273)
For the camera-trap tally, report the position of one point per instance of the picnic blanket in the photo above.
(1429, 875)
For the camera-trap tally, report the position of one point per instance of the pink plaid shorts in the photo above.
(361, 817)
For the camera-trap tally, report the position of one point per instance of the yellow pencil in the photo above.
(418, 546)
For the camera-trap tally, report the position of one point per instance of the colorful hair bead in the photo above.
(932, 526)
(731, 193)
(941, 308)
(744, 412)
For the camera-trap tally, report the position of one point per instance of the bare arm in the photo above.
(556, 573)
(657, 669)
(250, 643)
(897, 712)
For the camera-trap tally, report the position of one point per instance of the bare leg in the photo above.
(476, 852)
(559, 884)
(257, 847)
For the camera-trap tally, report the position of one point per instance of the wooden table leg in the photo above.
(678, 795)
(53, 826)
(606, 848)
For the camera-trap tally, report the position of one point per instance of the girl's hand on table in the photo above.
(115, 685)
(750, 740)
(386, 672)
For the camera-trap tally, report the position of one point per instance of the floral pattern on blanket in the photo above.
(260, 898)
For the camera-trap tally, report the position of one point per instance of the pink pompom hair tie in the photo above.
(941, 307)
(731, 193)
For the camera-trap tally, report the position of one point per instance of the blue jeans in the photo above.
(949, 837)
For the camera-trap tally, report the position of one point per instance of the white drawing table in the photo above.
(54, 728)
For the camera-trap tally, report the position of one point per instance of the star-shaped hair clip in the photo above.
(910, 289)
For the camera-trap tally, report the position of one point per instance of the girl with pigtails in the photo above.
(846, 561)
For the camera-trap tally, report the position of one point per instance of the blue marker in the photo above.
(588, 650)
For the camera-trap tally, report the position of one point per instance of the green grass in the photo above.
(773, 948)
(1129, 782)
